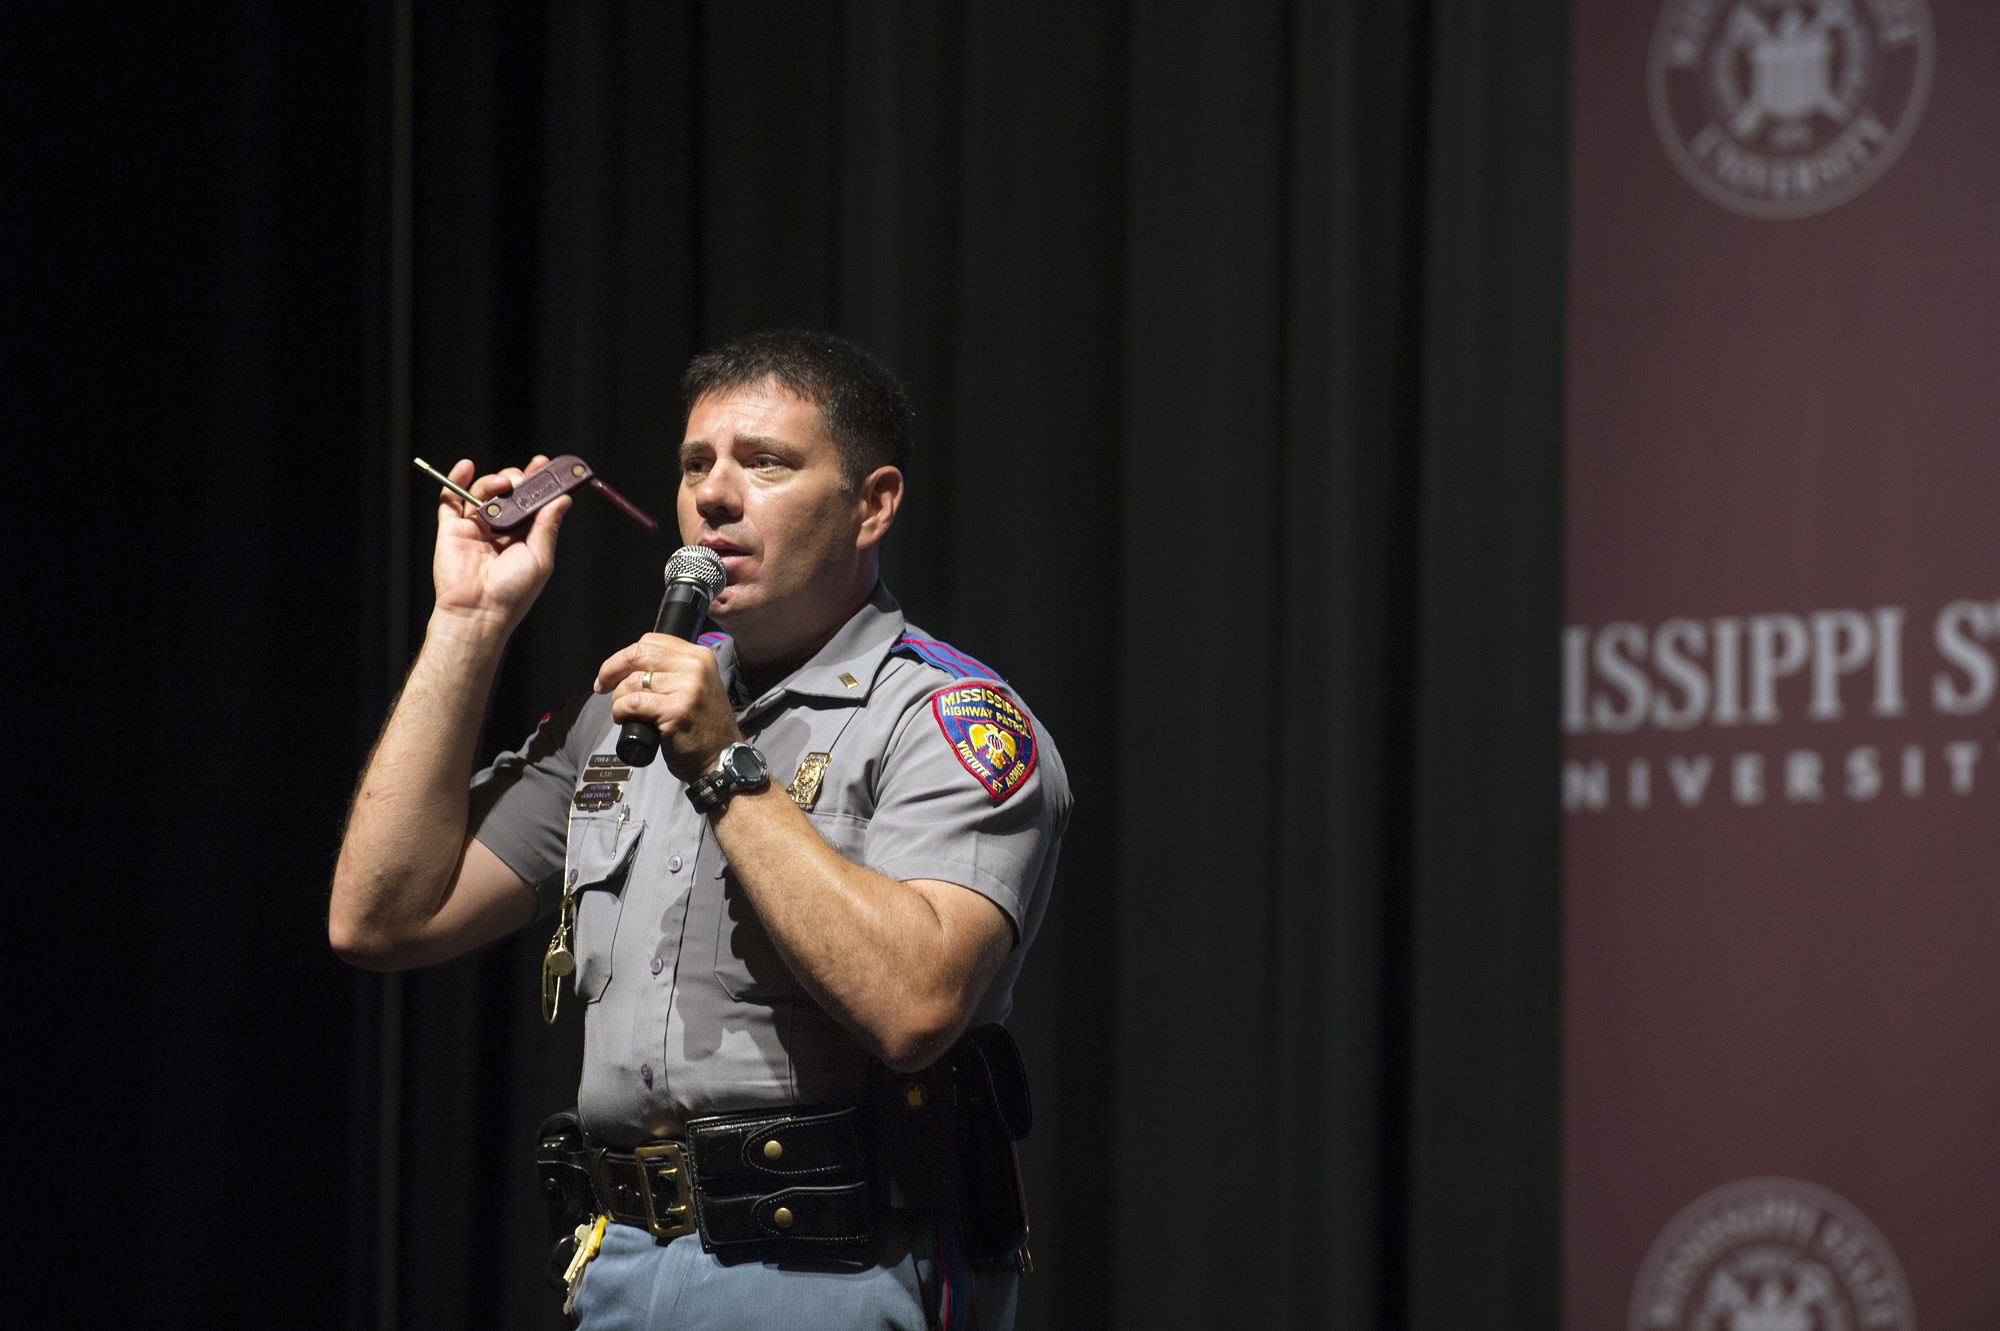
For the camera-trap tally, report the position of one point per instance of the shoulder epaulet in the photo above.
(946, 658)
(712, 640)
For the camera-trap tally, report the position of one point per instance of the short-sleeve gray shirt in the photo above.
(932, 768)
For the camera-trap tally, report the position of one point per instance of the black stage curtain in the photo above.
(1235, 334)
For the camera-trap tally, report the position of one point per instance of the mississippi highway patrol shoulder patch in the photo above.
(990, 736)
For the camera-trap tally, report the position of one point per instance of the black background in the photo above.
(1235, 338)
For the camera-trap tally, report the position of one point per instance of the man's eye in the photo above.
(694, 466)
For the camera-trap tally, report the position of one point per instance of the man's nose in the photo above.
(719, 497)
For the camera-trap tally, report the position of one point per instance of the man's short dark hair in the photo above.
(864, 408)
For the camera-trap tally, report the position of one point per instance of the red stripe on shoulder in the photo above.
(946, 658)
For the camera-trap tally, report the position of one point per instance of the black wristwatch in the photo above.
(740, 768)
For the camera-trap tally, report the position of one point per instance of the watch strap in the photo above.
(711, 790)
(708, 791)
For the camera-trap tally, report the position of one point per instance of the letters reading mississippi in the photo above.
(990, 736)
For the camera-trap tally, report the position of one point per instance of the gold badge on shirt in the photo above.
(805, 786)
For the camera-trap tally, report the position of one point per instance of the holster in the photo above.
(566, 1190)
(945, 1144)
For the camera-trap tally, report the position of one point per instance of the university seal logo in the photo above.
(1770, 1254)
(1786, 108)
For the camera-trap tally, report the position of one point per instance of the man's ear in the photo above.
(880, 496)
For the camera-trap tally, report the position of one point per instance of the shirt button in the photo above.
(646, 1073)
(674, 864)
(572, 878)
(657, 965)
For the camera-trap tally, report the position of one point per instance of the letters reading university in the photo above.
(1855, 668)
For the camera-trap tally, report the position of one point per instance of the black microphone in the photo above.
(694, 576)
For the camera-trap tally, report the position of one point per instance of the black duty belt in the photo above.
(754, 1182)
(936, 1145)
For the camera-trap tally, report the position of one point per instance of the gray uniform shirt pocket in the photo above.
(747, 964)
(601, 850)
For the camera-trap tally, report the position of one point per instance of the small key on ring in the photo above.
(589, 1237)
(505, 513)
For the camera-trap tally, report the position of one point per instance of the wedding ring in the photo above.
(646, 682)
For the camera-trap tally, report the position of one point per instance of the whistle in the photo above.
(506, 513)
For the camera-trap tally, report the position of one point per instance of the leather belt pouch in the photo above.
(797, 1179)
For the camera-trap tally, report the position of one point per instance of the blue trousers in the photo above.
(636, 1283)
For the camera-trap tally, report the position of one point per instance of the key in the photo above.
(581, 1257)
(588, 1236)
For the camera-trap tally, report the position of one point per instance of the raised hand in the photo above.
(483, 579)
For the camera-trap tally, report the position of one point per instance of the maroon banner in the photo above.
(1782, 671)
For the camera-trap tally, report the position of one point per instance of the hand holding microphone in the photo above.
(695, 577)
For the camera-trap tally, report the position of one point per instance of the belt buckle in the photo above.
(667, 1221)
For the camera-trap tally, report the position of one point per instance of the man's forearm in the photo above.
(407, 827)
(901, 965)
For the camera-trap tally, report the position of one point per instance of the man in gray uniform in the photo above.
(755, 958)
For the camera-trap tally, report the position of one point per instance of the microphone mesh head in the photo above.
(700, 566)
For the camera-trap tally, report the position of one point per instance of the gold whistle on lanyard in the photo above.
(559, 962)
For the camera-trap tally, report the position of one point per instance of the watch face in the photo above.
(743, 765)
